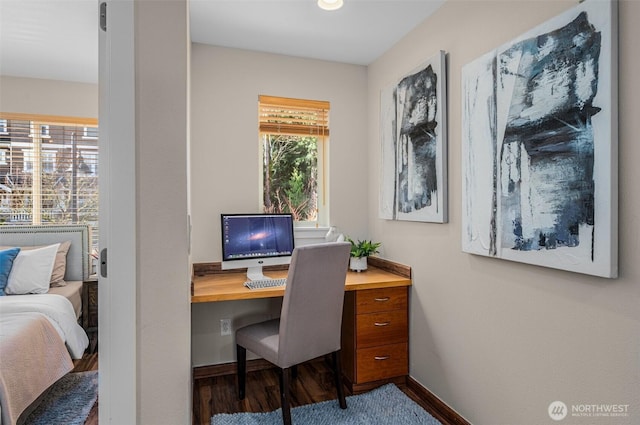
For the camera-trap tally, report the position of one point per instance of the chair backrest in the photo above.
(311, 315)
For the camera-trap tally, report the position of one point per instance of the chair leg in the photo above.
(284, 396)
(337, 370)
(241, 356)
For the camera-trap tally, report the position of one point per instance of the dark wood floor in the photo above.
(219, 394)
(313, 384)
(88, 362)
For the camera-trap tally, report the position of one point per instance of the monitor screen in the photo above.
(256, 240)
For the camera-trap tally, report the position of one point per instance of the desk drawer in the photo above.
(382, 362)
(387, 327)
(385, 299)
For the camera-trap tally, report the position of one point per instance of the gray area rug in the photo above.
(68, 402)
(386, 405)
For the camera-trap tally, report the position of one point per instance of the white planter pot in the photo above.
(358, 264)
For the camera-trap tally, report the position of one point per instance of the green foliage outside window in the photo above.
(290, 175)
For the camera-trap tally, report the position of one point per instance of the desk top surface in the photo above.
(230, 286)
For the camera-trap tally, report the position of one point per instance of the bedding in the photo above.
(58, 311)
(33, 237)
(60, 264)
(56, 285)
(71, 291)
(31, 271)
(39, 333)
(7, 256)
(28, 339)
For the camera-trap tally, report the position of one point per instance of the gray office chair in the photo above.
(309, 323)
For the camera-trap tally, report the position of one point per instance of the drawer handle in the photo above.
(381, 300)
(382, 357)
(382, 323)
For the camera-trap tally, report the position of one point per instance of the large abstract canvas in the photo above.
(414, 150)
(539, 145)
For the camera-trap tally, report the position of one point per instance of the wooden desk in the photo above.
(375, 329)
(230, 286)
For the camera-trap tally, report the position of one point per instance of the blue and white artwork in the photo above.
(413, 138)
(539, 145)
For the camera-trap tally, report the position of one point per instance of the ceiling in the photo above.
(57, 39)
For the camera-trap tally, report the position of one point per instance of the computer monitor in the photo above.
(256, 240)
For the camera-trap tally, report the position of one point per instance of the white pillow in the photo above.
(31, 271)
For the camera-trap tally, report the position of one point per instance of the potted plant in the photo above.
(360, 251)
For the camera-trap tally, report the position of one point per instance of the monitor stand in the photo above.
(255, 273)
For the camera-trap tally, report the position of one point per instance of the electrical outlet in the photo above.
(225, 327)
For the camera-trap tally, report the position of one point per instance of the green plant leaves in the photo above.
(363, 248)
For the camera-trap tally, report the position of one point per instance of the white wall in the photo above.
(225, 84)
(163, 324)
(497, 340)
(163, 290)
(48, 97)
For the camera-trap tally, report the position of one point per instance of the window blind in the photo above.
(48, 170)
(282, 115)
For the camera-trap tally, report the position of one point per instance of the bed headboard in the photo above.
(79, 235)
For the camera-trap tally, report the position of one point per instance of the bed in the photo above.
(40, 333)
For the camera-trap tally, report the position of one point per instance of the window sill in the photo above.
(309, 235)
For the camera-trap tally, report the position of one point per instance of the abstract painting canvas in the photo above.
(539, 145)
(414, 145)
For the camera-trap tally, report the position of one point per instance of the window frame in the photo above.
(322, 207)
(271, 126)
(89, 134)
(47, 156)
(38, 131)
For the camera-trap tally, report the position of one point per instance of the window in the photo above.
(41, 129)
(90, 133)
(47, 160)
(293, 138)
(48, 171)
(3, 126)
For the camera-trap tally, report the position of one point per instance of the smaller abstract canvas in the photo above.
(414, 151)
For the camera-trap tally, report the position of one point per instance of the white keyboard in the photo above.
(265, 283)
